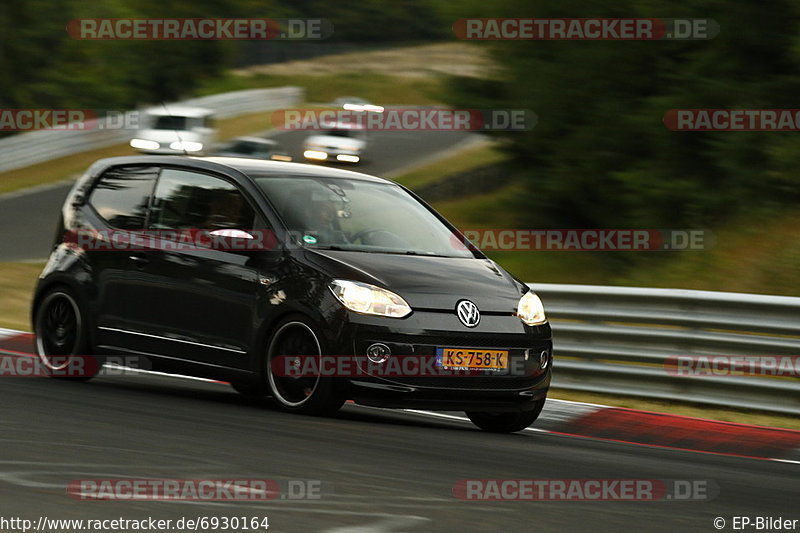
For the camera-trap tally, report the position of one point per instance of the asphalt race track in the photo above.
(379, 470)
(28, 221)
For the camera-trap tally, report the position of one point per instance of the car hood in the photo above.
(433, 283)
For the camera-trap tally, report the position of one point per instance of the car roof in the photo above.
(179, 111)
(248, 167)
(259, 166)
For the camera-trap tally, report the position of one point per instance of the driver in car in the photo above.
(322, 221)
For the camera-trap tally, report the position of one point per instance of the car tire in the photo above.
(316, 395)
(506, 422)
(61, 337)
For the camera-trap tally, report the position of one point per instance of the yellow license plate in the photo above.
(471, 358)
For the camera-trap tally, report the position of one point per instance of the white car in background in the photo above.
(354, 103)
(340, 142)
(175, 130)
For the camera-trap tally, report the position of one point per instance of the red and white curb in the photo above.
(5, 333)
(593, 421)
(660, 430)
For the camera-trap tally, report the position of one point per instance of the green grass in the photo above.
(17, 281)
(454, 164)
(378, 88)
(490, 211)
(757, 254)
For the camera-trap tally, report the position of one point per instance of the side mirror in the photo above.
(240, 241)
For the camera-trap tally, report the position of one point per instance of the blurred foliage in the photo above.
(43, 67)
(600, 155)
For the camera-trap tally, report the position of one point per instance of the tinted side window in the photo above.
(122, 195)
(188, 200)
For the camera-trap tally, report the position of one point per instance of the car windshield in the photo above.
(359, 215)
(165, 122)
(340, 133)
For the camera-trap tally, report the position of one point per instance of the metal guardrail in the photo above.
(625, 340)
(22, 150)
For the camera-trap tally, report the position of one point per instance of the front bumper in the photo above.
(518, 388)
(377, 394)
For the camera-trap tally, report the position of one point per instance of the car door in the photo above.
(194, 302)
(117, 207)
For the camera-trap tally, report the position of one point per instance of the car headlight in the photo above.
(530, 309)
(369, 299)
(144, 144)
(186, 146)
(315, 154)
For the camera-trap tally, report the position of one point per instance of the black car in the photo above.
(311, 285)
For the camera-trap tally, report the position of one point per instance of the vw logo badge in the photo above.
(468, 313)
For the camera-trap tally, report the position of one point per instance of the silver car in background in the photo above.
(175, 130)
(339, 142)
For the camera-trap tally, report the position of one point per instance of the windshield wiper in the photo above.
(423, 254)
(368, 251)
(328, 247)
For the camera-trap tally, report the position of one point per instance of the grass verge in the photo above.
(458, 162)
(378, 88)
(17, 281)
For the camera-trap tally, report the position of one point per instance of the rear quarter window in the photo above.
(122, 196)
